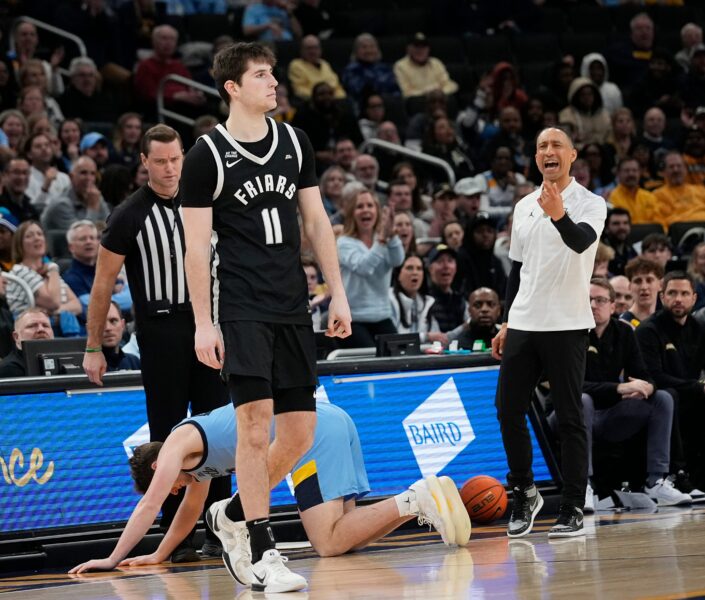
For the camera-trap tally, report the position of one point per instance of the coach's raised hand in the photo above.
(551, 201)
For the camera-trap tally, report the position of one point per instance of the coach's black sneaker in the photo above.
(211, 549)
(184, 553)
(526, 504)
(569, 522)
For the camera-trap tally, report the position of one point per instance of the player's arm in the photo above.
(318, 230)
(198, 183)
(184, 521)
(146, 511)
(106, 272)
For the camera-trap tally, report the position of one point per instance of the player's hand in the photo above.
(339, 319)
(95, 366)
(209, 346)
(498, 342)
(550, 200)
(145, 559)
(102, 564)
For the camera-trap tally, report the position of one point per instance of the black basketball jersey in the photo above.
(148, 232)
(253, 189)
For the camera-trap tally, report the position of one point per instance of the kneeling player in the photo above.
(327, 480)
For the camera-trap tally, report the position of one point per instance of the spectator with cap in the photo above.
(443, 207)
(418, 72)
(14, 198)
(310, 69)
(691, 36)
(678, 200)
(8, 226)
(617, 229)
(368, 250)
(31, 324)
(485, 312)
(693, 90)
(450, 306)
(46, 182)
(83, 200)
(84, 97)
(96, 146)
(366, 72)
(411, 304)
(115, 358)
(477, 264)
(469, 192)
(640, 205)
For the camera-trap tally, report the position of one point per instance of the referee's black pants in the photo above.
(560, 355)
(173, 378)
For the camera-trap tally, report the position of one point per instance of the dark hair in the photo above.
(231, 63)
(141, 469)
(28, 143)
(626, 159)
(678, 276)
(159, 133)
(642, 266)
(397, 289)
(604, 283)
(417, 203)
(618, 210)
(656, 239)
(116, 184)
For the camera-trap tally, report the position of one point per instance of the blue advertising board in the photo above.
(63, 455)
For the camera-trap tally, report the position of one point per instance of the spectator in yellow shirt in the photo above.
(419, 73)
(641, 204)
(678, 200)
(305, 72)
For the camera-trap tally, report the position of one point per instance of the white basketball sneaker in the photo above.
(270, 575)
(432, 508)
(237, 554)
(458, 512)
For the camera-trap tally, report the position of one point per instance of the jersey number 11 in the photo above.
(272, 226)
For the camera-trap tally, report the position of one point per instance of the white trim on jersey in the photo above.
(154, 254)
(255, 159)
(145, 267)
(168, 289)
(295, 141)
(180, 267)
(214, 276)
(218, 165)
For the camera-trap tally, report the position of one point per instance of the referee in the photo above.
(554, 240)
(145, 232)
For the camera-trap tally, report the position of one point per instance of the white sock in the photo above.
(406, 503)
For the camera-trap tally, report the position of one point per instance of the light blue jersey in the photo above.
(332, 468)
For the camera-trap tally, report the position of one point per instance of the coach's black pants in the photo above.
(560, 355)
(173, 378)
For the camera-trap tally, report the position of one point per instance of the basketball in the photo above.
(485, 498)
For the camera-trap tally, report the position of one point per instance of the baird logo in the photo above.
(36, 461)
(435, 433)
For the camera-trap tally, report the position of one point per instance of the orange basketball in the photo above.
(485, 498)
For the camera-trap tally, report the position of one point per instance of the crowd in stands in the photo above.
(422, 249)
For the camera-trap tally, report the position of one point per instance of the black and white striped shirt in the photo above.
(149, 233)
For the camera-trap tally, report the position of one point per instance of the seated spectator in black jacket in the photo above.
(673, 345)
(618, 226)
(619, 398)
(83, 98)
(450, 306)
(116, 359)
(477, 264)
(485, 313)
(31, 324)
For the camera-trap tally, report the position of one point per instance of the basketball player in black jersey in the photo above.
(242, 185)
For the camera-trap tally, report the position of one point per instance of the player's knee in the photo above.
(328, 548)
(255, 437)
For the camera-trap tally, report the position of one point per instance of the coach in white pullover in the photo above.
(547, 312)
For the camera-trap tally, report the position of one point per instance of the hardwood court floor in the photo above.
(626, 555)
